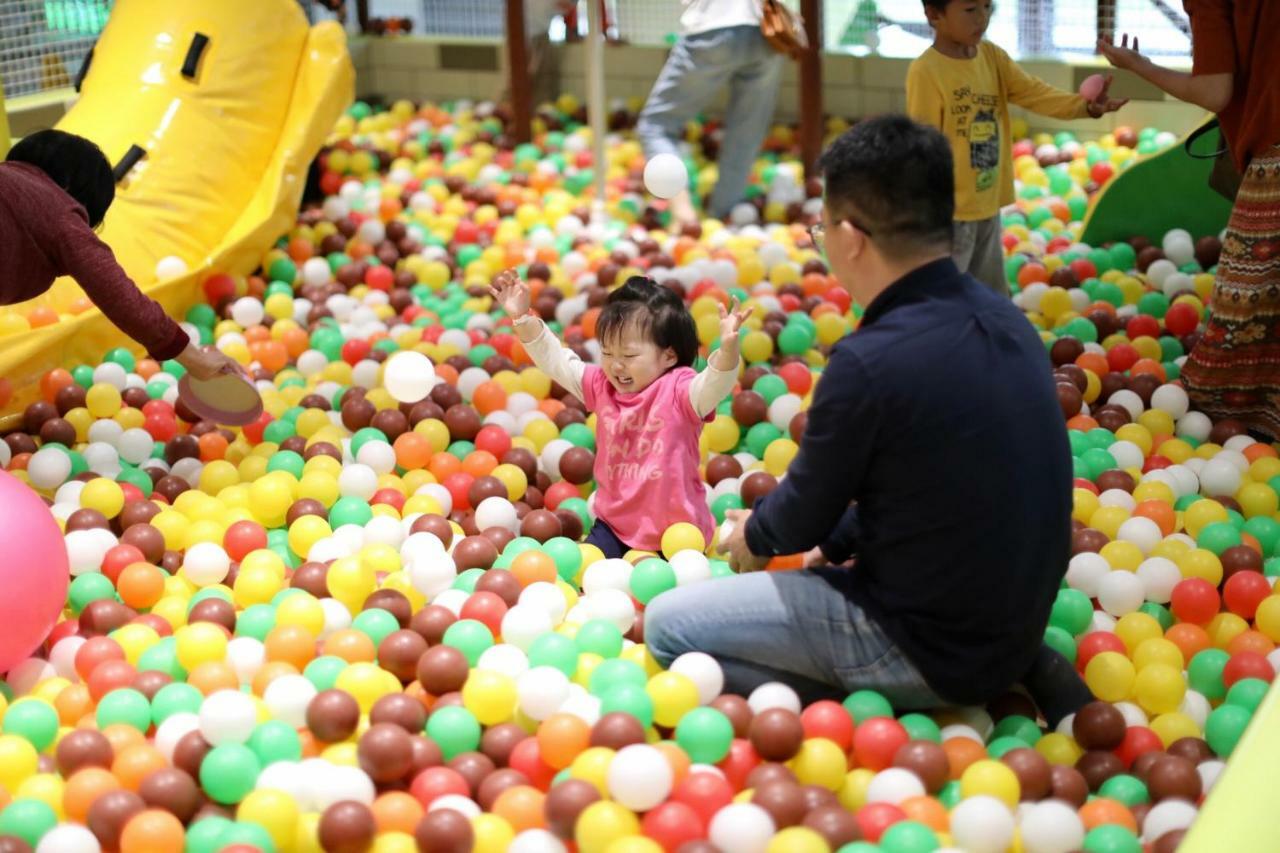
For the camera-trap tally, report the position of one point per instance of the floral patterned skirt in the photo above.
(1234, 371)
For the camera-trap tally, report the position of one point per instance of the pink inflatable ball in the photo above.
(34, 572)
(1091, 87)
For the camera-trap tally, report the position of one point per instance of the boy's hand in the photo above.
(511, 292)
(731, 321)
(1121, 55)
(1104, 103)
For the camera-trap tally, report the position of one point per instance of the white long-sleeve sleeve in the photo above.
(709, 387)
(556, 360)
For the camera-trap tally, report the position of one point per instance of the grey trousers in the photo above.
(978, 251)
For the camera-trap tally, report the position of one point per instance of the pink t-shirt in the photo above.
(647, 457)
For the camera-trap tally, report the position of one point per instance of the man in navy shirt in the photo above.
(935, 458)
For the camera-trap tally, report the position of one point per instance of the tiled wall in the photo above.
(852, 86)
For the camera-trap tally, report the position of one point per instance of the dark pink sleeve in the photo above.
(682, 379)
(592, 378)
(88, 260)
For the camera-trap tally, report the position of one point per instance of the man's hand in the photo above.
(1121, 55)
(511, 293)
(205, 362)
(1104, 103)
(815, 557)
(735, 546)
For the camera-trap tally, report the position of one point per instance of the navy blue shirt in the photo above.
(937, 456)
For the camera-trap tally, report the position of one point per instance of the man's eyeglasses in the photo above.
(818, 233)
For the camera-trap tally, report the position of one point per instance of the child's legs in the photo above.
(603, 537)
(694, 72)
(753, 91)
(978, 251)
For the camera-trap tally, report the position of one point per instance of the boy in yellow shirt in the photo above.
(963, 86)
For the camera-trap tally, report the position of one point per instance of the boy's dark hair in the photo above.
(75, 164)
(656, 312)
(892, 177)
(940, 5)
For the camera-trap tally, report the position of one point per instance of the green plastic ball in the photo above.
(705, 734)
(124, 705)
(228, 772)
(454, 729)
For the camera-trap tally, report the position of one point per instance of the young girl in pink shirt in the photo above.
(650, 405)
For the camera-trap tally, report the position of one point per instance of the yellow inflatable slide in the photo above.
(211, 112)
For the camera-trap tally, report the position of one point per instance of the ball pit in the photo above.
(365, 620)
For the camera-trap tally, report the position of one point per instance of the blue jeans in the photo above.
(698, 67)
(794, 627)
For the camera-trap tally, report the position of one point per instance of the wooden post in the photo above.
(812, 121)
(362, 15)
(596, 104)
(521, 86)
(1107, 20)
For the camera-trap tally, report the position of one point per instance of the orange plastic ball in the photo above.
(489, 397)
(561, 737)
(1101, 810)
(533, 566)
(140, 585)
(522, 807)
(137, 763)
(83, 789)
(351, 645)
(961, 752)
(396, 811)
(479, 463)
(212, 676)
(413, 450)
(292, 644)
(152, 831)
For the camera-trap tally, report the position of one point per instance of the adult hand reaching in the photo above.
(735, 545)
(205, 362)
(1121, 55)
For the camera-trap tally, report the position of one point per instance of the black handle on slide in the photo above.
(128, 161)
(84, 67)
(198, 43)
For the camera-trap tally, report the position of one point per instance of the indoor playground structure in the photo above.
(362, 617)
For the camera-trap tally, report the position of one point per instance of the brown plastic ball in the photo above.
(927, 760)
(737, 710)
(385, 752)
(577, 465)
(722, 467)
(1068, 785)
(756, 485)
(501, 583)
(496, 783)
(189, 753)
(399, 709)
(145, 538)
(565, 802)
(172, 790)
(475, 552)
(1035, 775)
(474, 767)
(835, 824)
(540, 524)
(1099, 765)
(1172, 776)
(1099, 726)
(784, 801)
(498, 741)
(437, 525)
(776, 734)
(431, 622)
(616, 730)
(333, 715)
(83, 748)
(399, 652)
(346, 827)
(110, 812)
(442, 669)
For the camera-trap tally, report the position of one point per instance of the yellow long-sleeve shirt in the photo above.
(968, 100)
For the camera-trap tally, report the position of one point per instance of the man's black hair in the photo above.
(892, 177)
(75, 164)
(656, 312)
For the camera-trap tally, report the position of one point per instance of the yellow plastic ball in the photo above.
(1174, 726)
(1159, 688)
(366, 682)
(102, 400)
(673, 695)
(756, 347)
(592, 765)
(1157, 650)
(199, 642)
(602, 823)
(490, 696)
(778, 455)
(1254, 498)
(1084, 504)
(798, 839)
(306, 532)
(513, 478)
(1134, 628)
(820, 762)
(104, 495)
(993, 779)
(1110, 675)
(722, 434)
(1200, 563)
(682, 536)
(275, 811)
(1203, 513)
(1267, 617)
(1058, 748)
(303, 610)
(48, 788)
(351, 581)
(853, 790)
(18, 761)
(492, 834)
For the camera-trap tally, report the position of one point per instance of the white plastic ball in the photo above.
(48, 468)
(378, 455)
(1194, 425)
(773, 694)
(1209, 772)
(612, 605)
(497, 512)
(287, 698)
(536, 841)
(550, 456)
(982, 824)
(1051, 826)
(1102, 621)
(432, 574)
(1117, 497)
(665, 175)
(1167, 816)
(408, 376)
(451, 600)
(169, 267)
(742, 828)
(1143, 532)
(541, 691)
(246, 655)
(1159, 576)
(525, 623)
(783, 409)
(690, 567)
(893, 785)
(1172, 399)
(247, 311)
(358, 481)
(206, 564)
(607, 574)
(1086, 571)
(68, 838)
(172, 730)
(1127, 454)
(1178, 246)
(1127, 400)
(1160, 270)
(62, 657)
(86, 548)
(704, 671)
(639, 777)
(504, 658)
(227, 716)
(1219, 477)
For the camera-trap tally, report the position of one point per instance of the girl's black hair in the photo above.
(656, 312)
(75, 164)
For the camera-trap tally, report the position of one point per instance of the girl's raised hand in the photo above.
(731, 321)
(511, 292)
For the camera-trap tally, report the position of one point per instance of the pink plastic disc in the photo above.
(229, 398)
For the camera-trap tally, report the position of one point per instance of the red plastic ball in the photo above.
(1194, 600)
(740, 761)
(1181, 319)
(1102, 172)
(874, 818)
(242, 538)
(559, 492)
(118, 557)
(390, 497)
(1247, 665)
(161, 428)
(458, 484)
(798, 378)
(839, 298)
(527, 758)
(486, 607)
(493, 439)
(672, 824)
(1084, 269)
(436, 782)
(704, 793)
(355, 351)
(1138, 740)
(95, 651)
(218, 287)
(380, 278)
(254, 431)
(876, 741)
(466, 232)
(1143, 325)
(1094, 643)
(1087, 485)
(829, 720)
(1155, 463)
(1121, 357)
(1243, 592)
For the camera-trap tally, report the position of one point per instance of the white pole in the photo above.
(596, 105)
